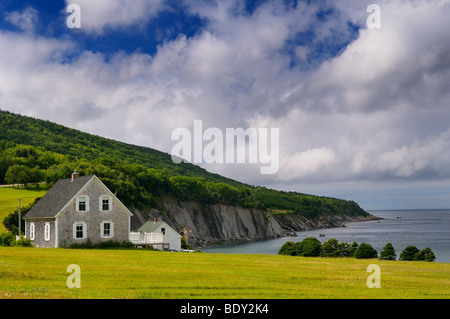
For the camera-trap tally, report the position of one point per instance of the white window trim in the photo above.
(47, 231)
(100, 203)
(75, 230)
(32, 231)
(77, 202)
(111, 230)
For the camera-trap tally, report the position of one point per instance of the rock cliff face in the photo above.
(209, 224)
(295, 223)
(203, 225)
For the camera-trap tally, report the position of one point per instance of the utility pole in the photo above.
(19, 219)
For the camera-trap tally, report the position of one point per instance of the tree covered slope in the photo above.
(34, 151)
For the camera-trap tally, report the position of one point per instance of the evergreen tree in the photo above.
(343, 249)
(388, 252)
(365, 251)
(352, 249)
(310, 247)
(330, 248)
(409, 252)
(425, 255)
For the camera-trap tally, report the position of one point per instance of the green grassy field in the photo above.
(9, 200)
(138, 273)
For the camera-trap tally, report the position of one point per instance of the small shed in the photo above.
(159, 234)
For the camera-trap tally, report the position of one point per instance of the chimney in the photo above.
(155, 220)
(75, 175)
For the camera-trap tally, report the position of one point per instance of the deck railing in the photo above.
(146, 238)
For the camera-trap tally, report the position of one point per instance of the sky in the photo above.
(363, 113)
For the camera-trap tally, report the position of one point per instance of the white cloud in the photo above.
(99, 15)
(378, 111)
(306, 163)
(25, 20)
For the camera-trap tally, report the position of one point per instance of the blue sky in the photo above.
(52, 19)
(176, 19)
(363, 113)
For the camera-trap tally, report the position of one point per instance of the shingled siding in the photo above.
(39, 232)
(93, 218)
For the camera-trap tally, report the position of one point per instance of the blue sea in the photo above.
(421, 228)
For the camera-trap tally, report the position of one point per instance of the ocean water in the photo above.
(421, 228)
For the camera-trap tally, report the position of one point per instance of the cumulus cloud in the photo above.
(375, 110)
(25, 20)
(100, 15)
(309, 162)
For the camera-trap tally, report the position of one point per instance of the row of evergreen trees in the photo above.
(312, 247)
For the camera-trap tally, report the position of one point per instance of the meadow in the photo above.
(9, 200)
(142, 273)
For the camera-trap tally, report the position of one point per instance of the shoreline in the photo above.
(420, 228)
(337, 222)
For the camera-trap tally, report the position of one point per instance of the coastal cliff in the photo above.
(210, 224)
(294, 222)
(206, 208)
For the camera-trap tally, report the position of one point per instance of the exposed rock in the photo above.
(295, 222)
(209, 224)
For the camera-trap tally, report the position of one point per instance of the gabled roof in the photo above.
(151, 226)
(57, 197)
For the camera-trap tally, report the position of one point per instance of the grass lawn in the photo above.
(9, 200)
(139, 273)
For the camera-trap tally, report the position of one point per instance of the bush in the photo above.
(409, 252)
(388, 252)
(6, 238)
(365, 251)
(184, 244)
(308, 247)
(21, 242)
(101, 245)
(288, 249)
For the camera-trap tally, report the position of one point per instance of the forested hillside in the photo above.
(33, 151)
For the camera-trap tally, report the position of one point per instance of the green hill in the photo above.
(34, 151)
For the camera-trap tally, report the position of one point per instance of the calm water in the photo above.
(421, 228)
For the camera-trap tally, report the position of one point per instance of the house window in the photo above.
(105, 204)
(163, 231)
(82, 204)
(32, 231)
(47, 231)
(79, 230)
(107, 229)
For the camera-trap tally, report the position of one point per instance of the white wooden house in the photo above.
(157, 234)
